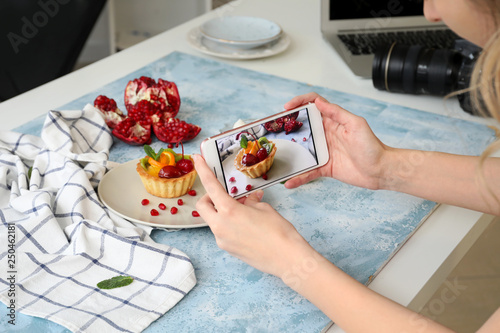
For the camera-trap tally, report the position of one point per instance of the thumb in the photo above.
(253, 198)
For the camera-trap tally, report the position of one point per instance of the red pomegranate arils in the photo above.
(145, 202)
(304, 139)
(234, 190)
(180, 202)
(162, 206)
(173, 130)
(232, 180)
(248, 187)
(173, 210)
(195, 213)
(192, 193)
(264, 176)
(154, 212)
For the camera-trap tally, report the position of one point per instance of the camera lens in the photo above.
(415, 69)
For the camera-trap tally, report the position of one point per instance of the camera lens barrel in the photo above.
(415, 69)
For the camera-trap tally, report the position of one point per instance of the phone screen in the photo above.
(289, 148)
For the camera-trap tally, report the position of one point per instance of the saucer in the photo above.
(244, 32)
(199, 42)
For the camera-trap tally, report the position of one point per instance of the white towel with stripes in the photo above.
(58, 241)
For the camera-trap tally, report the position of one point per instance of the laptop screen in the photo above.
(359, 9)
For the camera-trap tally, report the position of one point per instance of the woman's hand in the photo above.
(249, 229)
(356, 154)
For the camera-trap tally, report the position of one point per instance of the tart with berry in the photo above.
(166, 174)
(255, 157)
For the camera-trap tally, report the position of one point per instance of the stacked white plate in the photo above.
(239, 37)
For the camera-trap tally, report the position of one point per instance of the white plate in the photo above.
(241, 31)
(122, 191)
(290, 158)
(207, 46)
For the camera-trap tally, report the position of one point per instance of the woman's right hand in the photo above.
(249, 229)
(357, 156)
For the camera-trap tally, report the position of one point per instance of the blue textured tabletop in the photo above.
(357, 229)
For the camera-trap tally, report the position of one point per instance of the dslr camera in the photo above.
(414, 69)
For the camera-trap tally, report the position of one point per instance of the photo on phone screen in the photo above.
(289, 149)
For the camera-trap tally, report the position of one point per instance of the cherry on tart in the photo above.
(256, 157)
(166, 174)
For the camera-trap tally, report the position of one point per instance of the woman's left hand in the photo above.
(247, 228)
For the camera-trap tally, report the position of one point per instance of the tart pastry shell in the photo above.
(258, 169)
(166, 187)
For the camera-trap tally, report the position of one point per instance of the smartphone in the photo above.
(267, 151)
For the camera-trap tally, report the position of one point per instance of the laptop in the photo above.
(355, 28)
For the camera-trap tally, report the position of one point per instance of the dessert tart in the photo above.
(166, 174)
(256, 157)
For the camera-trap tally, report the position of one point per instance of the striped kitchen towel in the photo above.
(58, 241)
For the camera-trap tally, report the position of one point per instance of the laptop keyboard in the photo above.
(360, 44)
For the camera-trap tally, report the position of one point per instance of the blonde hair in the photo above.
(485, 83)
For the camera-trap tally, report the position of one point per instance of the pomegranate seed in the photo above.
(173, 210)
(248, 187)
(192, 193)
(293, 140)
(195, 213)
(180, 202)
(234, 189)
(162, 206)
(154, 212)
(232, 180)
(170, 146)
(304, 139)
(145, 202)
(264, 176)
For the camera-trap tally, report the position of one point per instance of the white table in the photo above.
(424, 262)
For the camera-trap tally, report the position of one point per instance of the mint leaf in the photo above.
(115, 282)
(151, 153)
(243, 141)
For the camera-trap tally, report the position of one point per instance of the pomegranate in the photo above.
(154, 212)
(151, 106)
(162, 206)
(173, 210)
(141, 111)
(275, 126)
(292, 126)
(173, 130)
(180, 202)
(132, 132)
(280, 124)
(192, 193)
(195, 213)
(162, 95)
(112, 114)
